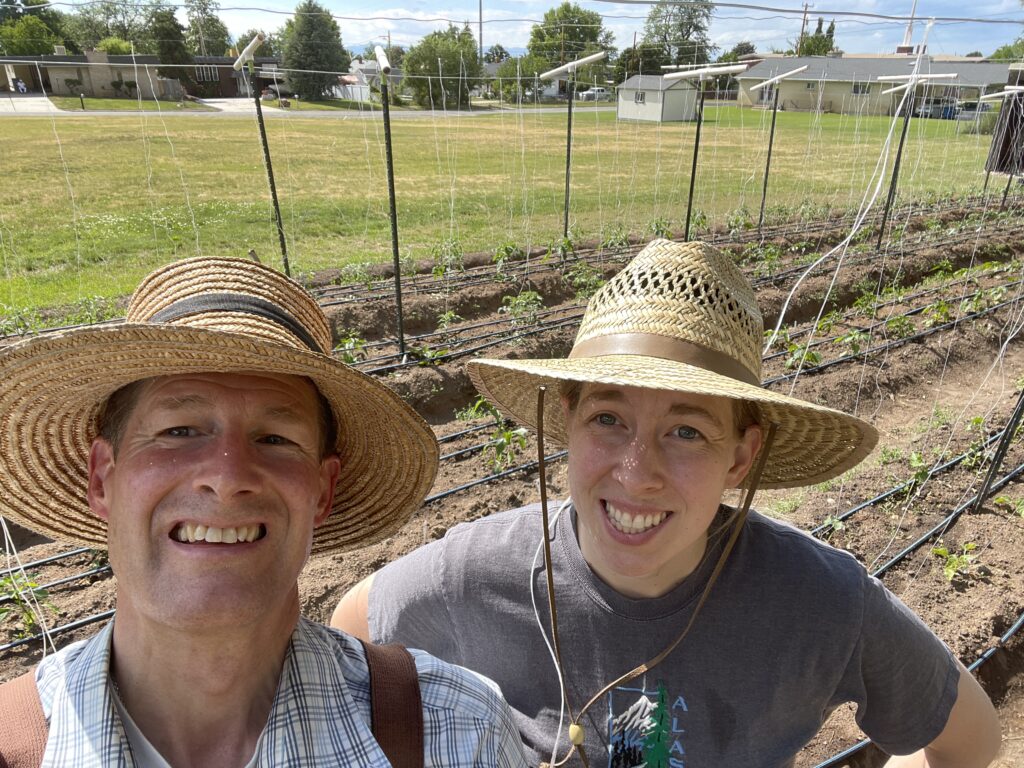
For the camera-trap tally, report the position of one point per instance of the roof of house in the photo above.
(850, 68)
(653, 83)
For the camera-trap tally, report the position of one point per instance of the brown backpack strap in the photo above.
(396, 710)
(23, 728)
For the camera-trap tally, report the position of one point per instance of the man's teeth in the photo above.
(189, 533)
(628, 523)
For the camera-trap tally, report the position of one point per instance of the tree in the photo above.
(975, 55)
(681, 30)
(517, 77)
(56, 21)
(567, 33)
(441, 67)
(128, 21)
(496, 54)
(28, 36)
(269, 47)
(741, 49)
(642, 60)
(658, 736)
(820, 43)
(114, 46)
(314, 43)
(1011, 52)
(169, 39)
(207, 35)
(395, 54)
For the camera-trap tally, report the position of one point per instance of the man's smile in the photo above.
(190, 533)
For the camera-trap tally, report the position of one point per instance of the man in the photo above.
(211, 443)
(741, 632)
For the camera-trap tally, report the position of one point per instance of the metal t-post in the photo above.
(270, 169)
(393, 210)
(768, 162)
(570, 84)
(696, 150)
(1006, 191)
(895, 172)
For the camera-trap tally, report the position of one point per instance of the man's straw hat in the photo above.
(202, 314)
(682, 317)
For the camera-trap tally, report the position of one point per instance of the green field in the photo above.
(89, 205)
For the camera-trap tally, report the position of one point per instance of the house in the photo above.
(97, 74)
(653, 98)
(848, 84)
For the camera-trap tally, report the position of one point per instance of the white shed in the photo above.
(653, 98)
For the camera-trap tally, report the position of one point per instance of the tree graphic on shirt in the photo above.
(656, 742)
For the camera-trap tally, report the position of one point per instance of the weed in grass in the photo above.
(447, 257)
(19, 595)
(350, 348)
(957, 562)
(522, 309)
(506, 444)
(18, 322)
(585, 279)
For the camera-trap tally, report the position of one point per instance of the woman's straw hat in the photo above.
(202, 314)
(682, 317)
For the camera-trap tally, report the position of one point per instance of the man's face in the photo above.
(647, 469)
(212, 498)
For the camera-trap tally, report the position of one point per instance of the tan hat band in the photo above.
(677, 350)
(234, 302)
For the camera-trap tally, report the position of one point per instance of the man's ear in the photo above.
(101, 464)
(330, 468)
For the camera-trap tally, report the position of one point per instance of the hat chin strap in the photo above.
(735, 521)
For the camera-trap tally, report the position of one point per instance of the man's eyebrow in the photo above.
(681, 409)
(286, 413)
(178, 402)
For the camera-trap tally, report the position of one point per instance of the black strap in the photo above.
(23, 727)
(396, 710)
(235, 302)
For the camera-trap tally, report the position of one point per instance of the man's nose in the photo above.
(640, 467)
(229, 467)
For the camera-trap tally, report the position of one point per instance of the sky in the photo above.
(508, 22)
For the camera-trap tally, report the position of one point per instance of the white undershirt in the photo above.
(145, 754)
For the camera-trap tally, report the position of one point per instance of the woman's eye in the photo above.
(687, 433)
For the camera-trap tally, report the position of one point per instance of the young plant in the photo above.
(447, 257)
(739, 220)
(938, 313)
(447, 319)
(522, 308)
(350, 348)
(833, 525)
(890, 455)
(506, 444)
(1014, 506)
(900, 327)
(956, 563)
(427, 355)
(563, 249)
(585, 279)
(480, 408)
(357, 273)
(854, 340)
(660, 227)
(800, 355)
(615, 238)
(19, 593)
(503, 254)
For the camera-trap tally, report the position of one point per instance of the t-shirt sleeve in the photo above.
(408, 603)
(901, 676)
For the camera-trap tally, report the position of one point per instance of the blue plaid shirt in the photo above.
(320, 715)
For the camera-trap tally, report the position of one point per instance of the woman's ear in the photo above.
(744, 454)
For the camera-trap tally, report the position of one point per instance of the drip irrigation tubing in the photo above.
(57, 630)
(60, 582)
(45, 561)
(892, 344)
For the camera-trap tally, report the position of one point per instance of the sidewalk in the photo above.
(25, 104)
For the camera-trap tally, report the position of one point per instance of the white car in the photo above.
(596, 93)
(972, 110)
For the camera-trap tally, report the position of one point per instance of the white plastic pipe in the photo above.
(777, 78)
(706, 72)
(898, 78)
(249, 51)
(572, 66)
(382, 60)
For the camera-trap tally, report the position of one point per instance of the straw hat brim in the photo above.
(51, 389)
(813, 443)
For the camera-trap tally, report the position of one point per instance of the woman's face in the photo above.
(647, 469)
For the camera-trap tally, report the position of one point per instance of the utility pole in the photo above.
(803, 29)
(480, 27)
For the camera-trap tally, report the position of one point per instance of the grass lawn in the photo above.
(299, 105)
(74, 104)
(89, 206)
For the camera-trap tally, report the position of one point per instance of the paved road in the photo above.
(34, 104)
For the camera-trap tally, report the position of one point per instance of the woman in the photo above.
(691, 633)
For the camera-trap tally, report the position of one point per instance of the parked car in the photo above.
(937, 108)
(597, 93)
(972, 110)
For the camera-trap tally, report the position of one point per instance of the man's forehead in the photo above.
(207, 388)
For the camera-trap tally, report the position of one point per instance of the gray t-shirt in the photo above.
(792, 629)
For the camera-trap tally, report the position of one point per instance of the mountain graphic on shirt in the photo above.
(641, 735)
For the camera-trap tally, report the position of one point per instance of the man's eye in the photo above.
(606, 419)
(179, 431)
(275, 440)
(687, 433)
